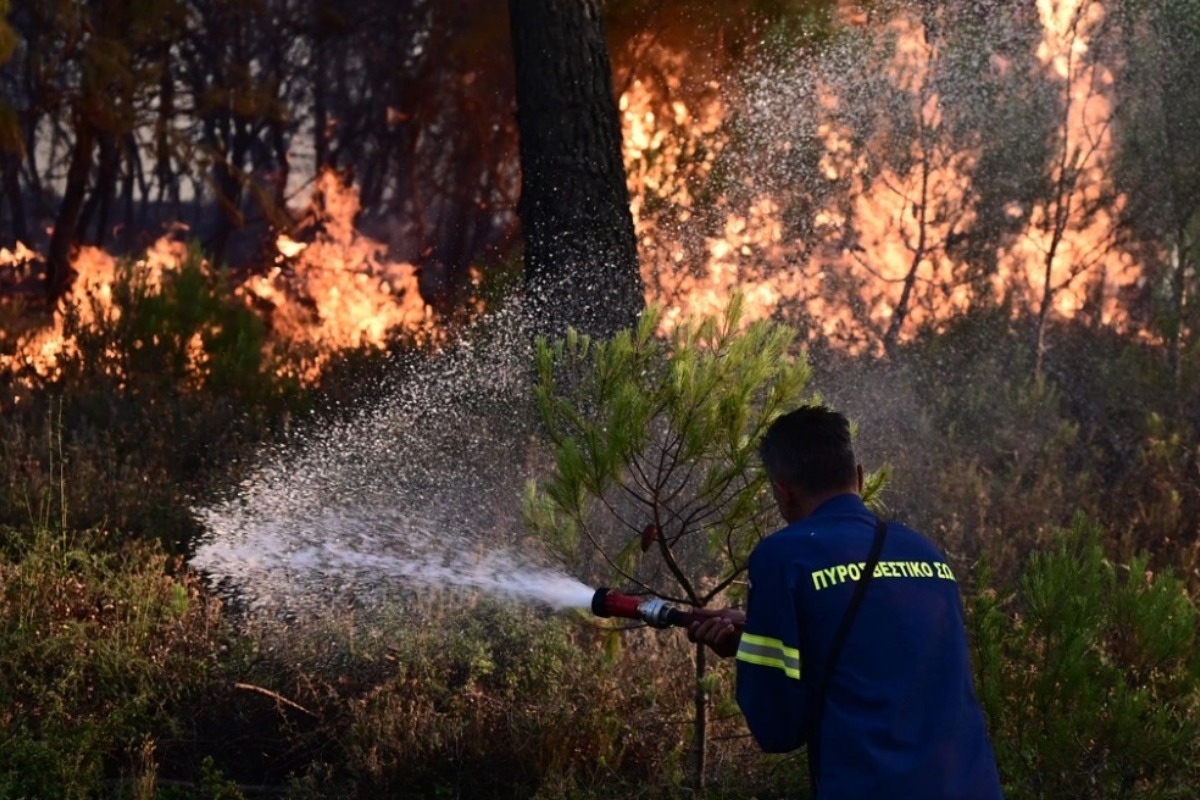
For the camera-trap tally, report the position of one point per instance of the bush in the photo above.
(1090, 677)
(656, 482)
(990, 461)
(98, 646)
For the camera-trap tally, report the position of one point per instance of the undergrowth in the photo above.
(100, 647)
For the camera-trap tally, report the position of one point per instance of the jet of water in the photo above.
(418, 493)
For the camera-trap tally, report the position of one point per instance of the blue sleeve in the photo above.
(769, 690)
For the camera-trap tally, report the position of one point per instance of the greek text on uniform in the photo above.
(832, 576)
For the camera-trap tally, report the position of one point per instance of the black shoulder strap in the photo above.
(817, 712)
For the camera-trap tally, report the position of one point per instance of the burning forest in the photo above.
(279, 443)
(853, 189)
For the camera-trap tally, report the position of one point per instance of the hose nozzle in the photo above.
(656, 612)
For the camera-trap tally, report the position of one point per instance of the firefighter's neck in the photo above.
(796, 503)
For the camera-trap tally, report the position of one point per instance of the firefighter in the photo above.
(852, 642)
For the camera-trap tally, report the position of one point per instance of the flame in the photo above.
(337, 291)
(703, 234)
(41, 352)
(1066, 255)
(18, 257)
(845, 279)
(334, 292)
(671, 146)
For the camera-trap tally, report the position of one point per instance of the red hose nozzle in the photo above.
(655, 611)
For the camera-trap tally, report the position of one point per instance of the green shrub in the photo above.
(98, 645)
(1090, 677)
(990, 462)
(656, 484)
(985, 460)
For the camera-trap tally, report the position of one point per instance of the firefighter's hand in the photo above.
(721, 630)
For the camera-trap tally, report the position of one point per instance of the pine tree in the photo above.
(656, 484)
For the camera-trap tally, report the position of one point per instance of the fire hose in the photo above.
(654, 611)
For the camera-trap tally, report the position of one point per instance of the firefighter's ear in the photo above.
(858, 468)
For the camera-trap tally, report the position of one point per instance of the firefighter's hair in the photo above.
(810, 449)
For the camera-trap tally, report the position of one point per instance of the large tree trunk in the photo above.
(98, 207)
(581, 266)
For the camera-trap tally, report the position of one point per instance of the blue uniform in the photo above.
(901, 719)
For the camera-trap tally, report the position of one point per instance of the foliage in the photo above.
(1159, 118)
(479, 700)
(167, 110)
(989, 461)
(993, 459)
(116, 671)
(656, 483)
(654, 447)
(1090, 676)
(214, 785)
(99, 649)
(99, 688)
(503, 703)
(189, 332)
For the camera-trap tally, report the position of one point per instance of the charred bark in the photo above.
(581, 265)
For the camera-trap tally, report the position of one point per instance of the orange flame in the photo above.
(338, 291)
(888, 249)
(331, 288)
(41, 352)
(335, 292)
(671, 146)
(1067, 255)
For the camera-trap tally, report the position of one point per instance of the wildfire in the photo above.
(866, 261)
(876, 261)
(693, 257)
(1067, 255)
(41, 351)
(335, 291)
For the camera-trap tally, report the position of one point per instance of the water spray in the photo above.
(656, 612)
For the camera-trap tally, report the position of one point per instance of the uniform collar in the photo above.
(848, 503)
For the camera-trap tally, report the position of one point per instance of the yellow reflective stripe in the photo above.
(777, 663)
(767, 641)
(768, 652)
(775, 644)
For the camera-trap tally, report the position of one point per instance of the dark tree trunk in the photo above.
(58, 259)
(132, 177)
(581, 265)
(99, 204)
(226, 139)
(10, 171)
(320, 81)
(164, 174)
